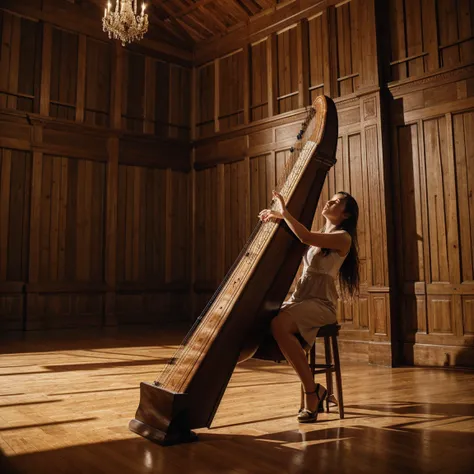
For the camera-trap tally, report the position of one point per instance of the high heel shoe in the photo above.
(307, 416)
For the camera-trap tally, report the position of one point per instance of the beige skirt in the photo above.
(309, 315)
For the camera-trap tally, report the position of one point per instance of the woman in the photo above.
(331, 252)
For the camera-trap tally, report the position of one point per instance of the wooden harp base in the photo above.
(167, 425)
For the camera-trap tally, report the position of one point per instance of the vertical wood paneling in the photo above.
(98, 83)
(71, 220)
(236, 209)
(463, 124)
(272, 76)
(448, 32)
(141, 224)
(29, 70)
(426, 35)
(64, 67)
(287, 70)
(207, 224)
(133, 107)
(180, 100)
(5, 179)
(356, 188)
(19, 63)
(15, 41)
(231, 92)
(410, 202)
(259, 81)
(303, 63)
(435, 159)
(81, 78)
(205, 95)
(162, 98)
(62, 219)
(150, 91)
(179, 227)
(316, 56)
(348, 51)
(7, 22)
(118, 71)
(414, 37)
(377, 275)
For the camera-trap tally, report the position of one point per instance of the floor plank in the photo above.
(65, 404)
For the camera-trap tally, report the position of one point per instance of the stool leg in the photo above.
(337, 365)
(312, 359)
(302, 398)
(327, 352)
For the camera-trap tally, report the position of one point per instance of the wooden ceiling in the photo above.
(196, 21)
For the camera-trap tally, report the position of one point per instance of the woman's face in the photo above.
(334, 209)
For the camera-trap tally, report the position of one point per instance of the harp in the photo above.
(236, 320)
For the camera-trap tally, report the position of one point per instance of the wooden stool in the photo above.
(329, 333)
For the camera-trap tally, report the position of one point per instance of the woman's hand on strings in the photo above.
(268, 214)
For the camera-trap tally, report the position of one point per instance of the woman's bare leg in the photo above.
(284, 331)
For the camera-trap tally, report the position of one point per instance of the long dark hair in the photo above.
(349, 271)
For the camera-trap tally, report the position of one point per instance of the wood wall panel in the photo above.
(15, 180)
(205, 96)
(141, 224)
(231, 91)
(208, 227)
(348, 47)
(179, 102)
(133, 107)
(287, 70)
(236, 222)
(71, 220)
(456, 31)
(64, 61)
(432, 183)
(317, 55)
(55, 175)
(434, 135)
(262, 182)
(427, 35)
(258, 81)
(407, 38)
(150, 308)
(15, 185)
(162, 99)
(98, 83)
(60, 311)
(468, 314)
(19, 63)
(463, 124)
(178, 245)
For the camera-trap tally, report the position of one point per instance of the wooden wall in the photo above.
(432, 113)
(401, 74)
(94, 178)
(81, 116)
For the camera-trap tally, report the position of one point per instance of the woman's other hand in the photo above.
(281, 201)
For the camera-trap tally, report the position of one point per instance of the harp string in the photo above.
(265, 231)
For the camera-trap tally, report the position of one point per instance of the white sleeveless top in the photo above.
(318, 277)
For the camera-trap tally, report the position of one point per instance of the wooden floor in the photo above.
(65, 407)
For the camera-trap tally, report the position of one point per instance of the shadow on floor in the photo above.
(306, 449)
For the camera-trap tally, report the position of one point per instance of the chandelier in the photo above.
(124, 23)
